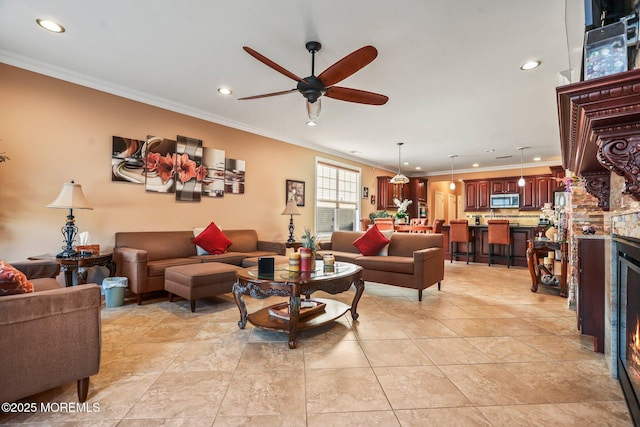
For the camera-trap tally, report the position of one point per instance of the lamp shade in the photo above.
(70, 197)
(291, 208)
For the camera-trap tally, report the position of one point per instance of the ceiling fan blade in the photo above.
(348, 65)
(271, 64)
(356, 95)
(283, 92)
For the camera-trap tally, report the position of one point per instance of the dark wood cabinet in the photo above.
(590, 302)
(504, 186)
(388, 191)
(536, 192)
(418, 195)
(477, 195)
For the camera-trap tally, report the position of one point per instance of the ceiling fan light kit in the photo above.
(314, 87)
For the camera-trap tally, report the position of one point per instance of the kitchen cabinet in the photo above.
(388, 191)
(590, 301)
(477, 194)
(536, 192)
(504, 186)
(418, 195)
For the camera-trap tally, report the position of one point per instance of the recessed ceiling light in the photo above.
(530, 65)
(418, 168)
(490, 150)
(475, 165)
(537, 159)
(406, 163)
(50, 25)
(224, 91)
(355, 152)
(311, 123)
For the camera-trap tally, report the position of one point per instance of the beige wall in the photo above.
(55, 131)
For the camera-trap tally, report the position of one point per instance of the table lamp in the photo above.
(291, 209)
(70, 197)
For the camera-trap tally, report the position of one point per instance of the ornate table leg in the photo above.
(238, 297)
(359, 284)
(68, 274)
(532, 263)
(294, 315)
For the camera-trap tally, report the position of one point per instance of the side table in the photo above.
(80, 264)
(533, 262)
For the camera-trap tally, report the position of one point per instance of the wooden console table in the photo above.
(533, 262)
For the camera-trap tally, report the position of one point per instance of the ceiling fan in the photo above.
(312, 87)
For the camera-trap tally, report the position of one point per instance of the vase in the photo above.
(551, 231)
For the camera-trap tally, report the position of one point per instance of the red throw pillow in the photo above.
(13, 281)
(371, 242)
(212, 240)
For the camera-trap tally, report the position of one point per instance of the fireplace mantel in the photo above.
(600, 132)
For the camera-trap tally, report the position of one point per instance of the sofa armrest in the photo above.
(38, 269)
(48, 339)
(132, 264)
(428, 267)
(325, 246)
(271, 246)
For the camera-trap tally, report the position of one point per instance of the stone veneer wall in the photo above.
(623, 219)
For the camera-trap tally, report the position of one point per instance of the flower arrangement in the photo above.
(402, 207)
(550, 213)
(309, 241)
(179, 165)
(568, 182)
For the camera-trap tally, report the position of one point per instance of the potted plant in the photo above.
(401, 216)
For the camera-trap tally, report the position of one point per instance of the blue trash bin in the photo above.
(114, 289)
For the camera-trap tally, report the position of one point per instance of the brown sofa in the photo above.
(50, 337)
(143, 256)
(414, 260)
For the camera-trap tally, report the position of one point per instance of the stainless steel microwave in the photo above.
(504, 201)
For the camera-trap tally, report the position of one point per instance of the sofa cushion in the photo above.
(385, 250)
(13, 281)
(199, 250)
(371, 242)
(341, 256)
(212, 240)
(395, 264)
(228, 257)
(156, 268)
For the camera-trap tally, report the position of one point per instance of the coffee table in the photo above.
(296, 285)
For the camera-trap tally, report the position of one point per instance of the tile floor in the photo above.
(483, 351)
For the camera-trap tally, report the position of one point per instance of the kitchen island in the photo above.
(521, 234)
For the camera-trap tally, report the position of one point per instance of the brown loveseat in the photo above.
(143, 256)
(50, 337)
(414, 260)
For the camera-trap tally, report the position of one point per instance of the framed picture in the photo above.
(295, 191)
(365, 192)
(560, 200)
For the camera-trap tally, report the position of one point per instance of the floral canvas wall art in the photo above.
(127, 162)
(160, 159)
(213, 161)
(234, 176)
(189, 170)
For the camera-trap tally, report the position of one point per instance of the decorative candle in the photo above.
(294, 261)
(305, 259)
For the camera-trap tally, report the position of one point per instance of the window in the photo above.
(337, 206)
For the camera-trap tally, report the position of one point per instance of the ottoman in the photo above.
(194, 281)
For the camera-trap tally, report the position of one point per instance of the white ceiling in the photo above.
(450, 68)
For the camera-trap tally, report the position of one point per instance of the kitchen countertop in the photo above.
(512, 225)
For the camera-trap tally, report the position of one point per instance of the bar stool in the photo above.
(500, 234)
(437, 225)
(459, 233)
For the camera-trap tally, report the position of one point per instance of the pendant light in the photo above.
(521, 180)
(452, 185)
(399, 178)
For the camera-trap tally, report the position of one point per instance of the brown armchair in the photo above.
(49, 338)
